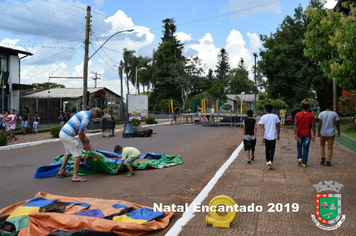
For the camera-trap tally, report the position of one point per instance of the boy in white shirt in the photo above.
(270, 125)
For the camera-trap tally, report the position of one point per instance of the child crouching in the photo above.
(128, 156)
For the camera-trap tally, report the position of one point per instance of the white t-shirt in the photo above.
(328, 123)
(269, 121)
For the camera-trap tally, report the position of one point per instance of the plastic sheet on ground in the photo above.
(48, 214)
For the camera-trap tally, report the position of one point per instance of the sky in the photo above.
(54, 31)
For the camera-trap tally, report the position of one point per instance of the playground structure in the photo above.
(203, 117)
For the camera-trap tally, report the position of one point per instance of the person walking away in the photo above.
(76, 126)
(175, 112)
(2, 120)
(283, 116)
(304, 131)
(62, 117)
(315, 107)
(128, 156)
(25, 121)
(270, 127)
(328, 119)
(36, 121)
(249, 130)
(11, 124)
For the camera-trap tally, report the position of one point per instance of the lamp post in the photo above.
(86, 61)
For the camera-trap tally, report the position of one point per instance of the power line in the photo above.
(66, 12)
(40, 12)
(12, 27)
(64, 7)
(74, 5)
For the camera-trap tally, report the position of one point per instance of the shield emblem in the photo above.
(328, 208)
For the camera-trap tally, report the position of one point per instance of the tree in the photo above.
(238, 80)
(223, 67)
(330, 41)
(217, 90)
(290, 75)
(167, 56)
(129, 66)
(48, 85)
(144, 72)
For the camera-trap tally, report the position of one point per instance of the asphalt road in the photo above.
(203, 150)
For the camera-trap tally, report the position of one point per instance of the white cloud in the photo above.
(255, 42)
(183, 37)
(99, 3)
(235, 46)
(330, 4)
(241, 8)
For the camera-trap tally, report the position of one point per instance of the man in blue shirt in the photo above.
(76, 126)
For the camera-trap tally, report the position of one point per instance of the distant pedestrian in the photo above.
(283, 116)
(36, 121)
(68, 115)
(315, 107)
(11, 124)
(326, 131)
(304, 131)
(175, 113)
(250, 132)
(62, 117)
(270, 126)
(25, 124)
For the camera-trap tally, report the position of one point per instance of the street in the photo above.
(203, 150)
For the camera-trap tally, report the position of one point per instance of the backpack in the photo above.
(128, 131)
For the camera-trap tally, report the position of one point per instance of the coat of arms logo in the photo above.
(328, 205)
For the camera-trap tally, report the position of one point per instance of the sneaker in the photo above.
(270, 166)
(252, 158)
(299, 161)
(129, 174)
(322, 161)
(248, 161)
(328, 163)
(304, 165)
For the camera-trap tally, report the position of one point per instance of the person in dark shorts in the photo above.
(175, 112)
(249, 131)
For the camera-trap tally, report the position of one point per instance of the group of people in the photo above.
(210, 118)
(8, 121)
(64, 116)
(304, 133)
(76, 126)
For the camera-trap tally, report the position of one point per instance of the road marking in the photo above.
(189, 214)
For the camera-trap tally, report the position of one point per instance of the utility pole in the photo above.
(86, 59)
(96, 77)
(121, 68)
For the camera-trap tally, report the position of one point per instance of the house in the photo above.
(246, 98)
(10, 84)
(47, 102)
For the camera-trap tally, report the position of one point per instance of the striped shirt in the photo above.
(78, 121)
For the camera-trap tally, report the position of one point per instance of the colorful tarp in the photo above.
(47, 213)
(103, 161)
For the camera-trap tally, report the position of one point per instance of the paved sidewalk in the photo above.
(287, 183)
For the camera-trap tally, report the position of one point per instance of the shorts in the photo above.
(174, 115)
(71, 145)
(249, 145)
(25, 124)
(129, 160)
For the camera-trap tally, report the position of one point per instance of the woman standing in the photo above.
(25, 120)
(11, 124)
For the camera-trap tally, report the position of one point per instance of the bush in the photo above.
(135, 122)
(150, 120)
(226, 107)
(350, 128)
(3, 138)
(55, 131)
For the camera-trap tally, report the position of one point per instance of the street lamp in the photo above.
(86, 60)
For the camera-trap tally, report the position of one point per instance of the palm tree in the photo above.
(129, 66)
(144, 71)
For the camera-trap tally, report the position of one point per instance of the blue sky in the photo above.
(54, 30)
